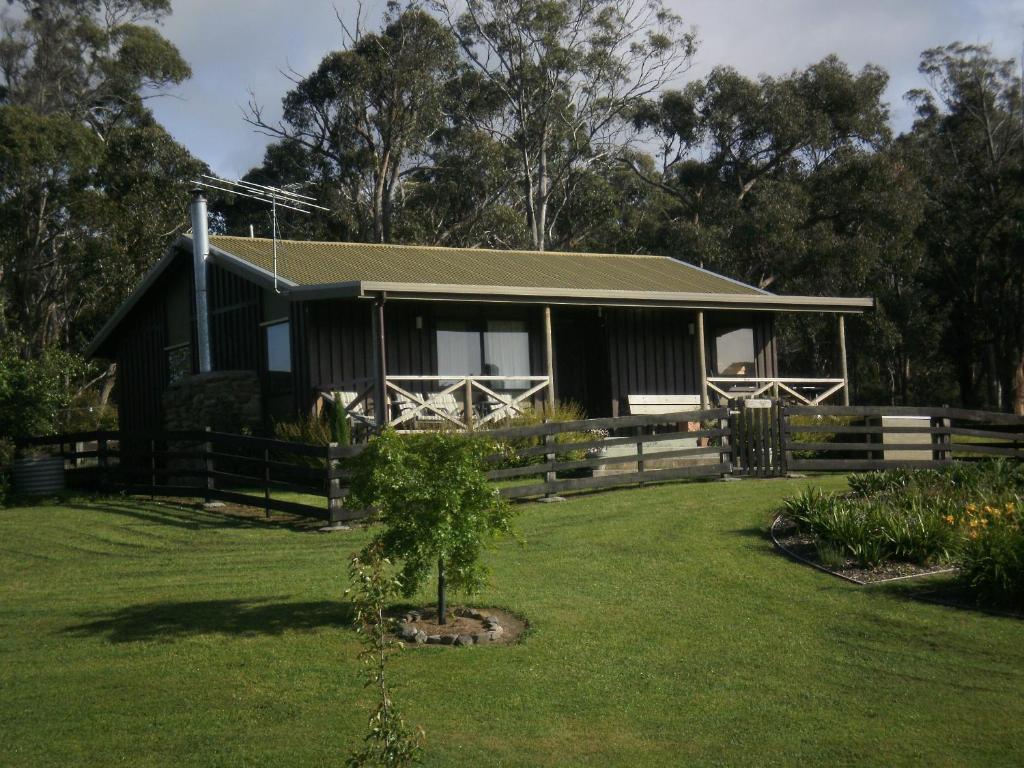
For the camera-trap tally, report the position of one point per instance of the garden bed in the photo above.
(801, 546)
(966, 519)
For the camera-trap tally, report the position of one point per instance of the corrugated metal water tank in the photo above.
(38, 475)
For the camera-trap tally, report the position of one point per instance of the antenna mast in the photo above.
(276, 196)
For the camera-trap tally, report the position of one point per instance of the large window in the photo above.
(735, 352)
(278, 346)
(492, 348)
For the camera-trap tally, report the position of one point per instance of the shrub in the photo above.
(817, 437)
(560, 411)
(992, 561)
(34, 391)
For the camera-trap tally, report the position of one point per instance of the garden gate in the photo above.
(757, 434)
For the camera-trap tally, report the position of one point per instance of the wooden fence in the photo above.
(755, 438)
(865, 438)
(216, 466)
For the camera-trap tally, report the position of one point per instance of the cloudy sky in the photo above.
(235, 46)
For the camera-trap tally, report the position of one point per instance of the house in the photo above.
(427, 329)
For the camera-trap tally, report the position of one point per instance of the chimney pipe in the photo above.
(200, 254)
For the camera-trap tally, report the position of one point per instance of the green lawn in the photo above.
(665, 632)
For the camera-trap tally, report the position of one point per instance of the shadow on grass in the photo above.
(193, 518)
(174, 620)
(945, 591)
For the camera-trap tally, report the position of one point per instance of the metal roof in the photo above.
(309, 270)
(305, 263)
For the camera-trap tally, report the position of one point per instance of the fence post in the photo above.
(334, 498)
(641, 465)
(783, 440)
(152, 469)
(549, 458)
(468, 396)
(779, 425)
(101, 460)
(266, 482)
(944, 440)
(725, 443)
(208, 469)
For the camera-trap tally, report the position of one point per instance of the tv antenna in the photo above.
(283, 197)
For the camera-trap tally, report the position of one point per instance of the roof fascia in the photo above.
(577, 296)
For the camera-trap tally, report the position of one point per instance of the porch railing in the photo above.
(464, 402)
(804, 391)
(460, 401)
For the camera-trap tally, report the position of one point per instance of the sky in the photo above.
(238, 46)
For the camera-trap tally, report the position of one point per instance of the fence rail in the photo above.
(216, 466)
(754, 438)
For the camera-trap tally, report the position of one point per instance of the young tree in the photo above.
(564, 76)
(437, 508)
(388, 742)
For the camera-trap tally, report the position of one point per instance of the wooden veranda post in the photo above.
(549, 355)
(702, 359)
(380, 392)
(842, 360)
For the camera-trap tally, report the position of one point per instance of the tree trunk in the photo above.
(442, 605)
(1018, 387)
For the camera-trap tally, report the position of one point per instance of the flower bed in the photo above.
(968, 515)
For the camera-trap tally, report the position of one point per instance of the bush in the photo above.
(817, 437)
(992, 561)
(34, 391)
(560, 411)
(311, 430)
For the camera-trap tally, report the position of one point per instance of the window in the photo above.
(278, 346)
(179, 362)
(494, 348)
(458, 350)
(735, 352)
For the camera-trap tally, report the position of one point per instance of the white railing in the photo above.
(465, 402)
(803, 390)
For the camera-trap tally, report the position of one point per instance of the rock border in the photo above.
(492, 631)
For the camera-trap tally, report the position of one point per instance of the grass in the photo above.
(664, 632)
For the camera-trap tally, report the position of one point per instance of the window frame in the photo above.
(265, 346)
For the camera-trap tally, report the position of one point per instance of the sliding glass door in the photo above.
(489, 348)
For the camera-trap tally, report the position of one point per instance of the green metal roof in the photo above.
(305, 263)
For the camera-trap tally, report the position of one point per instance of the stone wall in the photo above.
(225, 401)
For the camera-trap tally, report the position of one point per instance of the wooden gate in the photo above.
(757, 435)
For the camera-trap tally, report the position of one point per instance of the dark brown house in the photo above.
(427, 329)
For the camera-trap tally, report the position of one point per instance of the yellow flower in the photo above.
(950, 519)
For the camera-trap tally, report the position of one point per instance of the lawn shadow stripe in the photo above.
(173, 620)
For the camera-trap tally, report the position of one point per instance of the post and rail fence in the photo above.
(758, 438)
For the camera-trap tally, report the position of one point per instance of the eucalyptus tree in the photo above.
(969, 145)
(366, 114)
(735, 154)
(91, 185)
(565, 76)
